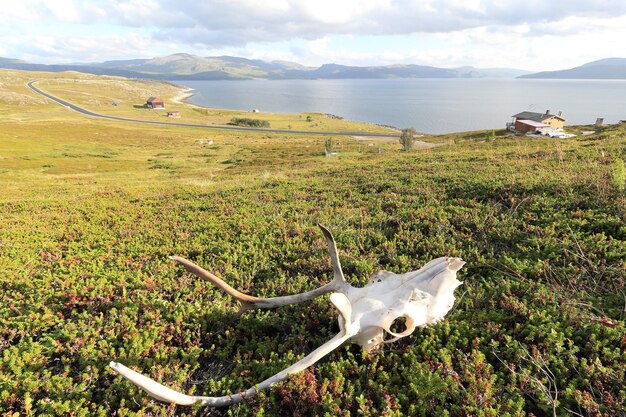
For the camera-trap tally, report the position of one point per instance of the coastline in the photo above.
(430, 106)
(186, 93)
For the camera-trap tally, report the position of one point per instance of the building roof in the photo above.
(154, 99)
(537, 117)
(533, 123)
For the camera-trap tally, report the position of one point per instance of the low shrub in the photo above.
(247, 122)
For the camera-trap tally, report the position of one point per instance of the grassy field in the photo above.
(91, 209)
(122, 97)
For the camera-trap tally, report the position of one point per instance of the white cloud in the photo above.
(89, 49)
(276, 20)
(63, 10)
(333, 12)
(446, 32)
(16, 11)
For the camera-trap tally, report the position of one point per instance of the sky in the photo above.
(531, 34)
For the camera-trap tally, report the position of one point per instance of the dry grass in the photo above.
(46, 148)
(123, 97)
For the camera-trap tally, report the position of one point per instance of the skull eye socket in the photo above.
(402, 325)
(399, 325)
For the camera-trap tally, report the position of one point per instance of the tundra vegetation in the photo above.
(91, 209)
(329, 146)
(247, 122)
(407, 138)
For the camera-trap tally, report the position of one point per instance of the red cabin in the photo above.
(155, 103)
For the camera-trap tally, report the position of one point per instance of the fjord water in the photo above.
(428, 105)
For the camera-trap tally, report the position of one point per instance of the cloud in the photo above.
(249, 21)
(239, 22)
(89, 49)
(452, 31)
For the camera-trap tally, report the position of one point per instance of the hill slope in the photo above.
(91, 209)
(609, 68)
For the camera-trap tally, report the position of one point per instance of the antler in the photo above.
(339, 300)
(422, 297)
(163, 393)
(249, 302)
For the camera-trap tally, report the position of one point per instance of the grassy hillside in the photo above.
(124, 97)
(91, 209)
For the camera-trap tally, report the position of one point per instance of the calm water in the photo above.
(428, 105)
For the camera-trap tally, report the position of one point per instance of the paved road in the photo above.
(152, 122)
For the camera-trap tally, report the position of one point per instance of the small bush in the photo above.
(619, 174)
(407, 138)
(329, 146)
(244, 121)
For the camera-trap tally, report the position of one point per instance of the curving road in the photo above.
(248, 129)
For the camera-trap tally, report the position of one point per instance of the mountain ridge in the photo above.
(602, 69)
(183, 66)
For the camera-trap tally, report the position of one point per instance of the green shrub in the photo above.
(407, 138)
(619, 174)
(85, 280)
(329, 146)
(247, 122)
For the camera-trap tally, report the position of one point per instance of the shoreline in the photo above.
(186, 93)
(90, 113)
(430, 107)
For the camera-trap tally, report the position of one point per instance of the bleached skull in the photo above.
(418, 298)
(366, 315)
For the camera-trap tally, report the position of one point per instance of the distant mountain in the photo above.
(471, 72)
(609, 68)
(10, 61)
(184, 66)
(25, 66)
(191, 67)
(334, 71)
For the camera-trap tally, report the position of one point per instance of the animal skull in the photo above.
(421, 297)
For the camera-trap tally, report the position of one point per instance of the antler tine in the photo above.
(218, 282)
(249, 302)
(334, 257)
(163, 393)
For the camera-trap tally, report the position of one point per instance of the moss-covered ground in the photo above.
(91, 209)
